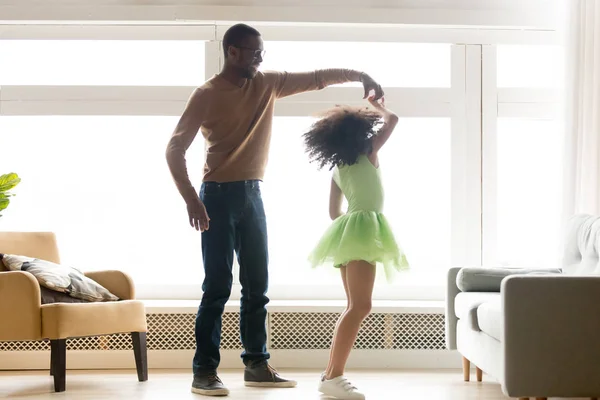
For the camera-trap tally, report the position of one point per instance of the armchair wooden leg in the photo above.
(51, 360)
(140, 352)
(466, 369)
(523, 398)
(58, 357)
(479, 375)
(541, 398)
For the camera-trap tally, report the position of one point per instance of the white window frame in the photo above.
(472, 102)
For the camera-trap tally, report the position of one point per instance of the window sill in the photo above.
(421, 291)
(379, 306)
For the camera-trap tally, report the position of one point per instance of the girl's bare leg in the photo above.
(359, 279)
(345, 282)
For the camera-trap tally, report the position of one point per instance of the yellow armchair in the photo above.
(25, 318)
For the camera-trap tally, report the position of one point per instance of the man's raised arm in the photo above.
(291, 83)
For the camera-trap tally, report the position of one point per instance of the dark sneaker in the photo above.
(208, 384)
(261, 374)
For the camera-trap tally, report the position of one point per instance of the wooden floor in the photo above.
(175, 384)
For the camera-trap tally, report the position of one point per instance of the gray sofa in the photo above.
(537, 334)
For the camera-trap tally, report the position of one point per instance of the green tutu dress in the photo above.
(363, 233)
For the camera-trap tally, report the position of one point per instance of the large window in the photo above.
(471, 174)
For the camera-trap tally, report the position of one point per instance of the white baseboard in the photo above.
(182, 359)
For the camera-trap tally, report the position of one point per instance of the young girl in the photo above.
(348, 141)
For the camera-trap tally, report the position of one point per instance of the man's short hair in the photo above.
(236, 34)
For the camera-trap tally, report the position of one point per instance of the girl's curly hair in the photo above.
(341, 136)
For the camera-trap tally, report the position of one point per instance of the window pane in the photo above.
(417, 183)
(101, 62)
(417, 178)
(103, 185)
(530, 66)
(529, 192)
(392, 64)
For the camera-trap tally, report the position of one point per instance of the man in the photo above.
(234, 111)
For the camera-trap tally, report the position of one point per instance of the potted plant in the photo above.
(7, 183)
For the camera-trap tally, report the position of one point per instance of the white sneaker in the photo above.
(340, 388)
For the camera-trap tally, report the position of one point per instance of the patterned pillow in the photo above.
(52, 296)
(60, 278)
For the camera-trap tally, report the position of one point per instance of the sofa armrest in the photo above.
(451, 320)
(20, 303)
(117, 282)
(550, 339)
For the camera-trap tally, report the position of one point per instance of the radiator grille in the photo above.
(379, 331)
(287, 331)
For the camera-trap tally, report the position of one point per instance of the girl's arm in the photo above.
(335, 201)
(389, 123)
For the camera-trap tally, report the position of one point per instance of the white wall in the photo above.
(537, 14)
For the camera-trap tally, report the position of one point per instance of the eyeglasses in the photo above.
(257, 53)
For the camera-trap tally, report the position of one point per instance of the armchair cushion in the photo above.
(63, 321)
(58, 277)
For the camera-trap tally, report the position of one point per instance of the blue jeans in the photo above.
(237, 223)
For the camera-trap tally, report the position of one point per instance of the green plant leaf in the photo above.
(4, 203)
(9, 181)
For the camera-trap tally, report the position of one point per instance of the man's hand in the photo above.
(370, 85)
(198, 215)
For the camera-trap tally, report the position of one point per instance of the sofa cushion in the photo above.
(58, 277)
(466, 305)
(480, 311)
(490, 279)
(489, 318)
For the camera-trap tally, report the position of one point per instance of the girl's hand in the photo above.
(378, 105)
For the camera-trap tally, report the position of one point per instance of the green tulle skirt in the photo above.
(360, 236)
